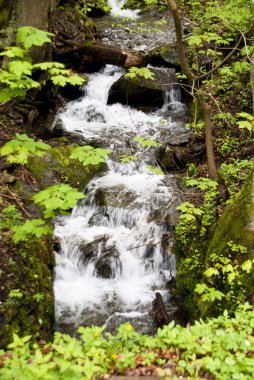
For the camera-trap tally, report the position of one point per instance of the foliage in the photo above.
(221, 348)
(234, 173)
(10, 217)
(143, 72)
(29, 36)
(89, 155)
(34, 227)
(227, 273)
(247, 123)
(154, 170)
(197, 219)
(17, 78)
(127, 159)
(57, 198)
(146, 142)
(188, 220)
(20, 149)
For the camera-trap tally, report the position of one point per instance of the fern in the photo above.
(57, 198)
(88, 155)
(20, 149)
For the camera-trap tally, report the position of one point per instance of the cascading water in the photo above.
(112, 260)
(116, 9)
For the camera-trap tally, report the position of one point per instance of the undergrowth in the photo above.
(222, 348)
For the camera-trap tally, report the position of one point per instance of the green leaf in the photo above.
(245, 124)
(125, 158)
(154, 170)
(247, 266)
(211, 272)
(88, 155)
(49, 65)
(35, 227)
(20, 149)
(246, 115)
(201, 288)
(7, 94)
(146, 142)
(144, 72)
(59, 80)
(29, 36)
(20, 68)
(14, 52)
(57, 198)
(76, 80)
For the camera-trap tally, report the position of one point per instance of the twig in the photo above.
(151, 244)
(15, 199)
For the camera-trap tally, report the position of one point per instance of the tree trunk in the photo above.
(252, 78)
(208, 138)
(192, 82)
(29, 13)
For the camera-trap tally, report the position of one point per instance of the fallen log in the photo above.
(98, 53)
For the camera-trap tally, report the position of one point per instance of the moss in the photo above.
(32, 313)
(57, 167)
(237, 225)
(29, 265)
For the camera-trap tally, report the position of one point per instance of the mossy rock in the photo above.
(56, 167)
(27, 306)
(236, 225)
(237, 222)
(143, 92)
(27, 301)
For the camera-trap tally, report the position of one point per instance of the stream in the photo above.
(115, 249)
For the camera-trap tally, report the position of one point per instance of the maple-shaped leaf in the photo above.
(29, 36)
(20, 68)
(35, 227)
(14, 52)
(49, 65)
(89, 155)
(76, 80)
(57, 198)
(59, 80)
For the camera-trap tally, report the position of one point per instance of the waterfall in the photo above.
(116, 9)
(111, 260)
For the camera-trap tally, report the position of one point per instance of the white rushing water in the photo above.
(116, 9)
(111, 259)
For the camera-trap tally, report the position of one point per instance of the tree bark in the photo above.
(96, 52)
(192, 82)
(30, 13)
(252, 78)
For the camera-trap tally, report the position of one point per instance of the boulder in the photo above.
(166, 55)
(107, 263)
(141, 92)
(90, 250)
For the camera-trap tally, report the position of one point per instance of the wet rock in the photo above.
(141, 92)
(166, 55)
(107, 263)
(180, 156)
(132, 35)
(116, 196)
(90, 250)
